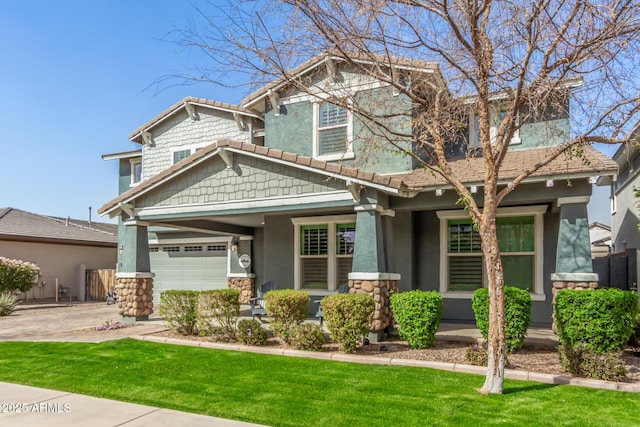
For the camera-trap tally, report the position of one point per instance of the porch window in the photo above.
(332, 131)
(324, 252)
(520, 243)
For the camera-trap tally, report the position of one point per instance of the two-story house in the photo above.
(286, 188)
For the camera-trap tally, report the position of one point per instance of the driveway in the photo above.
(69, 322)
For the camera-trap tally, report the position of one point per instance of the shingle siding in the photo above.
(180, 131)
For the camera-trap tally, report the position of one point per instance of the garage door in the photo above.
(188, 267)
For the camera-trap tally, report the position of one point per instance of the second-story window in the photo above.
(332, 130)
(495, 119)
(179, 155)
(136, 171)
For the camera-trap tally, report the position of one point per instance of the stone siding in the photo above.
(244, 285)
(380, 290)
(135, 296)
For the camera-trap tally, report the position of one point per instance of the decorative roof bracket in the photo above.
(227, 157)
(239, 121)
(128, 209)
(354, 189)
(191, 111)
(275, 101)
(146, 138)
(332, 71)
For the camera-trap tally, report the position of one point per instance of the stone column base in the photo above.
(379, 286)
(244, 285)
(135, 296)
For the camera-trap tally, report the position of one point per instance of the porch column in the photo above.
(240, 267)
(134, 280)
(574, 268)
(370, 273)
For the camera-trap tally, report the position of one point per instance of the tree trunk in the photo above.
(494, 380)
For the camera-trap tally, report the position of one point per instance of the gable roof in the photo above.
(321, 59)
(136, 135)
(19, 225)
(471, 171)
(388, 183)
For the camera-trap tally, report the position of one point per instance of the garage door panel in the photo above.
(188, 270)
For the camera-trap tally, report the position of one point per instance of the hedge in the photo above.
(418, 315)
(348, 318)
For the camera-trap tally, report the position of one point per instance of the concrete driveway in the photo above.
(69, 322)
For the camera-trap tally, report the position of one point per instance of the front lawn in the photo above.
(288, 391)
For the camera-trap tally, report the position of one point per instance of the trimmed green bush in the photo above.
(418, 315)
(8, 303)
(583, 361)
(517, 310)
(634, 340)
(308, 337)
(178, 309)
(251, 332)
(348, 318)
(217, 313)
(286, 308)
(17, 275)
(602, 319)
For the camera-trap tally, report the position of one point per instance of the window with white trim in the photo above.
(136, 171)
(324, 251)
(180, 155)
(333, 131)
(519, 240)
(495, 118)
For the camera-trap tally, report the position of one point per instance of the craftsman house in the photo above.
(285, 188)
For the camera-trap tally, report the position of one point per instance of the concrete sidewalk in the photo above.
(24, 406)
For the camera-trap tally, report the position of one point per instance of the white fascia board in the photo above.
(234, 205)
(123, 155)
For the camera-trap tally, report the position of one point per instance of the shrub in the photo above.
(16, 275)
(602, 319)
(8, 303)
(178, 309)
(517, 311)
(348, 318)
(634, 340)
(217, 313)
(251, 332)
(418, 315)
(307, 337)
(583, 361)
(286, 308)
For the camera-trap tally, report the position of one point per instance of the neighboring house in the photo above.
(600, 237)
(63, 248)
(283, 189)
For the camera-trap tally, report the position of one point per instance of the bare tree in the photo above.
(525, 56)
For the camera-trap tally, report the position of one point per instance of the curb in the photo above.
(511, 374)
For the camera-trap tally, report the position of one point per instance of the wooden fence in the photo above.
(98, 282)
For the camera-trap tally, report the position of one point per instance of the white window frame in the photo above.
(494, 115)
(538, 281)
(348, 153)
(331, 221)
(192, 149)
(133, 163)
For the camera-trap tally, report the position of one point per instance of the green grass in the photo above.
(287, 391)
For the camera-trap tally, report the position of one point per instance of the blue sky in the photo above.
(73, 76)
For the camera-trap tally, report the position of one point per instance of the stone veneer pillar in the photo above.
(135, 296)
(244, 284)
(379, 286)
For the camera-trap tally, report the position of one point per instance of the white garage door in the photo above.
(188, 267)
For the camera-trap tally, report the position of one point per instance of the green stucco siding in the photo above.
(292, 130)
(543, 134)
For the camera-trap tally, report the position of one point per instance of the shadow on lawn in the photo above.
(522, 388)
